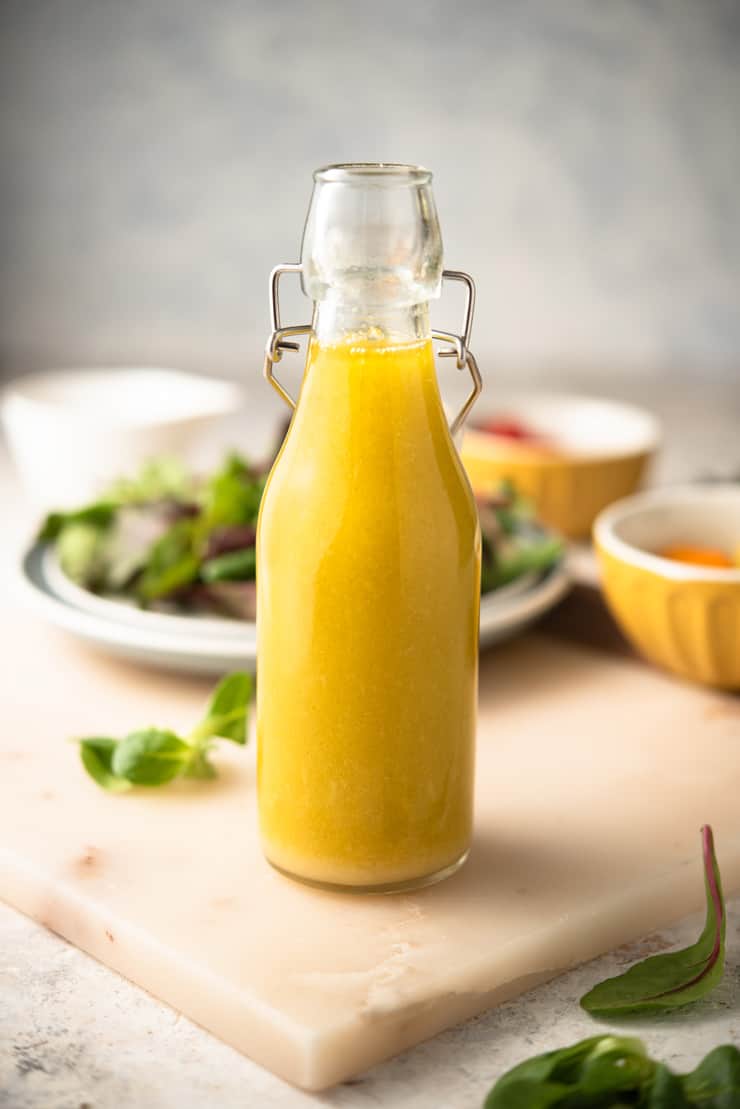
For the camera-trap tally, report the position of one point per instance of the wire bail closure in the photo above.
(459, 343)
(280, 339)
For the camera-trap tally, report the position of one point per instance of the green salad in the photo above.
(169, 539)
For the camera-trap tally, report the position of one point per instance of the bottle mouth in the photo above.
(373, 174)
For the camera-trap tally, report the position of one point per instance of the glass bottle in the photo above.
(368, 557)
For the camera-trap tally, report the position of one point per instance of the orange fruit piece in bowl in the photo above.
(697, 556)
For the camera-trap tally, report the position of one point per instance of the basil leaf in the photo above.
(199, 765)
(226, 712)
(153, 756)
(676, 977)
(150, 757)
(96, 754)
(715, 1084)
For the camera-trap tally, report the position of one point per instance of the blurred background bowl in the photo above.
(579, 454)
(71, 432)
(684, 617)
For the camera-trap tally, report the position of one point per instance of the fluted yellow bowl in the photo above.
(683, 617)
(602, 450)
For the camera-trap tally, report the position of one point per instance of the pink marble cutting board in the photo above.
(594, 775)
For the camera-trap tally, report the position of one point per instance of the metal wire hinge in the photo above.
(280, 339)
(459, 344)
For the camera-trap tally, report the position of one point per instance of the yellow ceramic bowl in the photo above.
(683, 617)
(603, 448)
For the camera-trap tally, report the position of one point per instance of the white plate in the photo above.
(183, 643)
(125, 611)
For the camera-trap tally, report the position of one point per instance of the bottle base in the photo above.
(398, 886)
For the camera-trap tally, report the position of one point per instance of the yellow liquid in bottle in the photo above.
(368, 594)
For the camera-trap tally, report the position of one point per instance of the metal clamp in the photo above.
(459, 343)
(280, 339)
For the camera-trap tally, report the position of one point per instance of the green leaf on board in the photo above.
(154, 756)
(150, 757)
(96, 753)
(226, 712)
(200, 766)
(675, 978)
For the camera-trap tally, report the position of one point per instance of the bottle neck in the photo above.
(336, 322)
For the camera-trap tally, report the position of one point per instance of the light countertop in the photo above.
(74, 1035)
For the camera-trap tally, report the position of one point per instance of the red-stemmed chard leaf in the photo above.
(677, 977)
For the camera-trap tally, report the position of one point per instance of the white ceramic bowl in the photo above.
(70, 432)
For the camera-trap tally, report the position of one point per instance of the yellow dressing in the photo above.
(368, 593)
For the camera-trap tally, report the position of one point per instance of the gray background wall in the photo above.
(156, 159)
